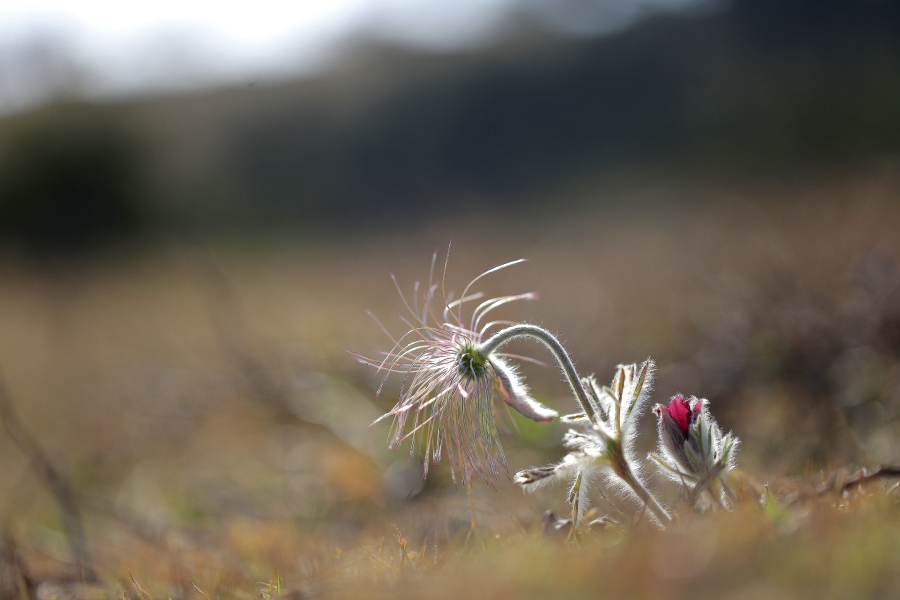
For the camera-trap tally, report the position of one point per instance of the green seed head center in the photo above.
(472, 364)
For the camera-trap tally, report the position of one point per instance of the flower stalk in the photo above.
(525, 330)
(624, 472)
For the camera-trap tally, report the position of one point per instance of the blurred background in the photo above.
(198, 203)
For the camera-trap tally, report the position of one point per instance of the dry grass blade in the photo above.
(194, 585)
(380, 560)
(404, 547)
(144, 595)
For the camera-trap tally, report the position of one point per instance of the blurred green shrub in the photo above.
(69, 182)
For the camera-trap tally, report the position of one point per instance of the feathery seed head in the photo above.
(450, 385)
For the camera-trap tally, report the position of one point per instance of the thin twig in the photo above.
(229, 322)
(863, 477)
(12, 560)
(56, 480)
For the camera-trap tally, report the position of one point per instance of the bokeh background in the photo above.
(189, 243)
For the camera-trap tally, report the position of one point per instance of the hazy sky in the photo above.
(97, 48)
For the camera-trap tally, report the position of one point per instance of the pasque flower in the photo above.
(692, 447)
(603, 444)
(674, 426)
(452, 381)
(454, 378)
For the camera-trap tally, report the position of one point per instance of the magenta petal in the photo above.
(680, 410)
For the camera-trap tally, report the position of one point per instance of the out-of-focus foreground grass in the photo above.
(216, 433)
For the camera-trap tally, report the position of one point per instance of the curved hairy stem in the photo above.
(525, 330)
(647, 498)
(623, 469)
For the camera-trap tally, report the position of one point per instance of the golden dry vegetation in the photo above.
(215, 432)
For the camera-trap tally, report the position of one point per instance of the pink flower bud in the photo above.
(681, 412)
(674, 427)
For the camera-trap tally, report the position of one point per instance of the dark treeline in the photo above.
(757, 84)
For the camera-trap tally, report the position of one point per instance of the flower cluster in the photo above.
(454, 376)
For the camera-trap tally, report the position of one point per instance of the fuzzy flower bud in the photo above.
(674, 423)
(692, 447)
